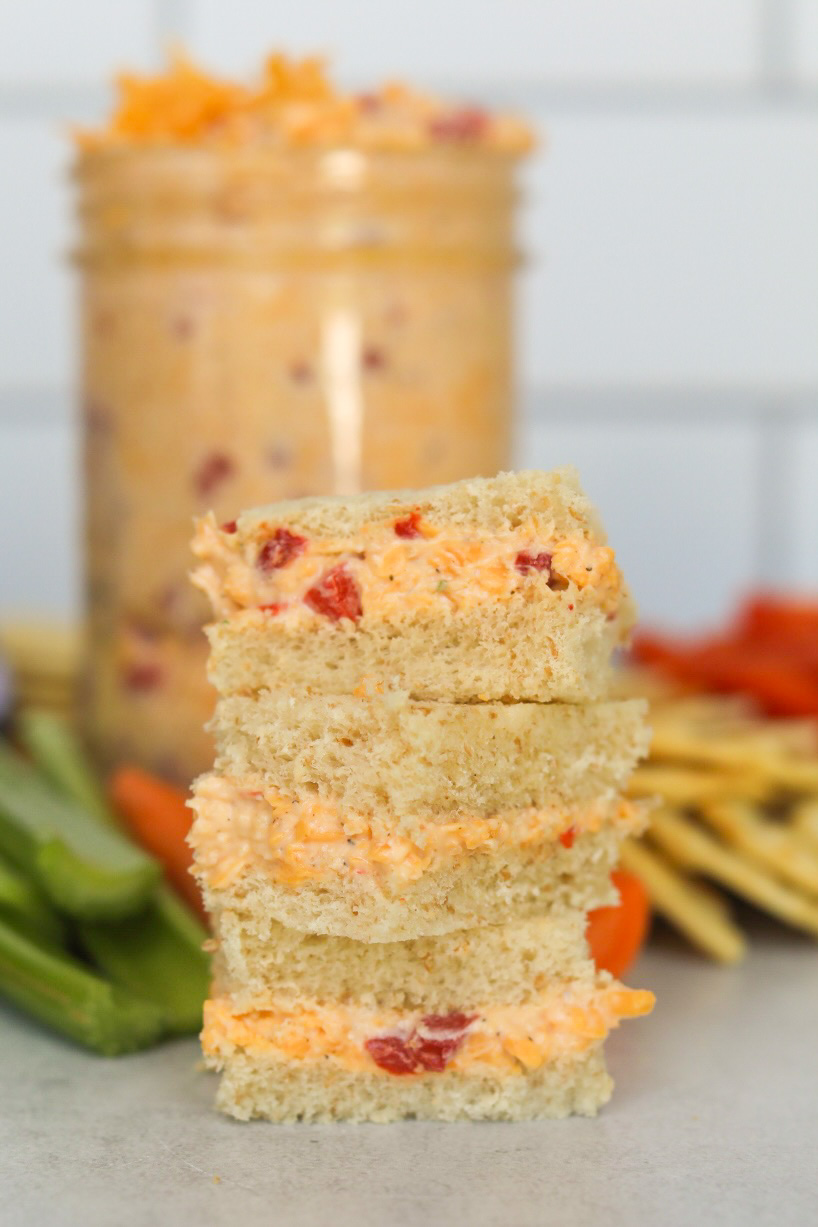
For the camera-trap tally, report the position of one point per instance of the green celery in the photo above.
(156, 954)
(148, 955)
(55, 750)
(85, 869)
(24, 906)
(62, 993)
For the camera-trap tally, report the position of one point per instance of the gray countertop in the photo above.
(714, 1120)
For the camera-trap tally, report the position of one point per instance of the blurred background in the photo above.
(668, 313)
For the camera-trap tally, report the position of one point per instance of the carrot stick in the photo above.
(616, 934)
(157, 815)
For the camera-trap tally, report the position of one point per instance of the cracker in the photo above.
(692, 786)
(805, 821)
(698, 913)
(41, 649)
(696, 850)
(765, 841)
(759, 753)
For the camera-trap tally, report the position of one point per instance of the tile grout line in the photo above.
(776, 43)
(774, 505)
(771, 94)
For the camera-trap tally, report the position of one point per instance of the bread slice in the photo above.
(490, 589)
(256, 1085)
(320, 869)
(297, 1058)
(413, 758)
(258, 958)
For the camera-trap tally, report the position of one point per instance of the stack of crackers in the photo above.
(417, 797)
(738, 809)
(43, 659)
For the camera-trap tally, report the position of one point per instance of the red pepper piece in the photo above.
(456, 1021)
(275, 607)
(142, 677)
(408, 527)
(434, 1054)
(336, 595)
(567, 838)
(213, 470)
(300, 372)
(392, 1053)
(373, 359)
(467, 124)
(230, 526)
(779, 617)
(525, 562)
(279, 550)
(419, 1051)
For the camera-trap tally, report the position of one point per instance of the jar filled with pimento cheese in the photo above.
(285, 291)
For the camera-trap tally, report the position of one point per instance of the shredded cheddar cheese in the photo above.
(245, 825)
(294, 104)
(511, 1039)
(433, 571)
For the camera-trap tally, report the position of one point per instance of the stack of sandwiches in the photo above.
(417, 798)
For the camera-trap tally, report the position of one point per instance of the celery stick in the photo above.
(56, 751)
(84, 868)
(23, 906)
(66, 996)
(150, 955)
(156, 954)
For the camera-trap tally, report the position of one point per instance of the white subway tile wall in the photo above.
(676, 246)
(48, 42)
(35, 337)
(484, 42)
(804, 500)
(805, 39)
(38, 503)
(669, 311)
(685, 537)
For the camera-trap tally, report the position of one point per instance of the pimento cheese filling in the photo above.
(385, 569)
(293, 105)
(245, 825)
(511, 1039)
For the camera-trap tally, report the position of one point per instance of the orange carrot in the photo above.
(616, 934)
(157, 815)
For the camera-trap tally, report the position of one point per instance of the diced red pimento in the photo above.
(419, 1052)
(409, 526)
(230, 526)
(280, 550)
(213, 470)
(456, 1021)
(467, 124)
(336, 595)
(373, 359)
(434, 1054)
(274, 607)
(142, 677)
(300, 372)
(526, 561)
(567, 838)
(393, 1054)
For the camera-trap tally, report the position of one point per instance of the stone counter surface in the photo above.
(714, 1121)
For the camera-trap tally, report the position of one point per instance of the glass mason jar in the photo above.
(260, 325)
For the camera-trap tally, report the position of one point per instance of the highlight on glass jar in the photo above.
(285, 290)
